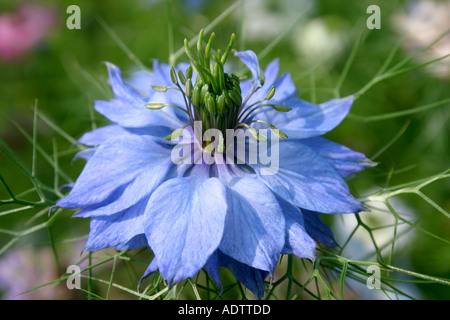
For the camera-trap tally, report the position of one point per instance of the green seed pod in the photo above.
(196, 95)
(203, 93)
(189, 72)
(211, 103)
(270, 93)
(235, 96)
(217, 77)
(155, 105)
(160, 88)
(173, 76)
(227, 99)
(189, 88)
(181, 77)
(236, 86)
(205, 120)
(199, 82)
(220, 104)
(235, 78)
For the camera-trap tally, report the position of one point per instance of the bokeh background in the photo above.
(61, 71)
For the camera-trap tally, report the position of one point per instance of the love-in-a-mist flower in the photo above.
(234, 212)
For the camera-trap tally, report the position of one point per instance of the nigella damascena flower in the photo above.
(195, 213)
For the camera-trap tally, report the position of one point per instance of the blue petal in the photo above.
(113, 166)
(85, 154)
(128, 108)
(250, 277)
(161, 73)
(152, 268)
(318, 230)
(307, 180)
(123, 230)
(297, 242)
(120, 89)
(250, 59)
(184, 222)
(100, 135)
(141, 81)
(307, 120)
(161, 77)
(212, 268)
(66, 187)
(270, 75)
(343, 159)
(134, 114)
(254, 226)
(140, 188)
(284, 87)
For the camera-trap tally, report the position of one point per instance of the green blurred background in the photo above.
(65, 73)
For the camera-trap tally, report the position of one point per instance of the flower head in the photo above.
(235, 213)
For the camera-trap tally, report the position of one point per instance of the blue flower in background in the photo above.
(201, 215)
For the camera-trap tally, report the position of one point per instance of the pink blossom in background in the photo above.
(22, 30)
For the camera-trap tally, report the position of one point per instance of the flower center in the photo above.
(218, 110)
(216, 96)
(215, 99)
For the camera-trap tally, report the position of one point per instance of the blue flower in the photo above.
(198, 215)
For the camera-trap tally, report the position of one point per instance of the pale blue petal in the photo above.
(161, 77)
(98, 136)
(123, 230)
(141, 81)
(120, 89)
(152, 268)
(212, 268)
(284, 86)
(246, 88)
(250, 277)
(254, 226)
(343, 159)
(161, 73)
(297, 242)
(184, 222)
(134, 114)
(250, 60)
(140, 188)
(307, 180)
(174, 116)
(284, 89)
(270, 75)
(318, 230)
(306, 120)
(85, 154)
(113, 166)
(128, 108)
(66, 187)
